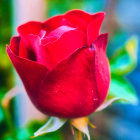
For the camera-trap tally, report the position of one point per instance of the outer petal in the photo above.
(76, 22)
(93, 28)
(32, 27)
(26, 51)
(15, 44)
(102, 70)
(19, 48)
(54, 22)
(92, 23)
(69, 90)
(30, 72)
(81, 14)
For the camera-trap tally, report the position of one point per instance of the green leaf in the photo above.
(121, 88)
(52, 125)
(124, 59)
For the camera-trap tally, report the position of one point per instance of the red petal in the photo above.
(53, 23)
(63, 47)
(93, 28)
(76, 22)
(23, 50)
(20, 49)
(69, 90)
(102, 70)
(58, 32)
(15, 44)
(32, 27)
(54, 52)
(81, 14)
(30, 72)
(74, 88)
(92, 23)
(84, 15)
(37, 28)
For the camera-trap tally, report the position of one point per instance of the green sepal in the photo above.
(52, 125)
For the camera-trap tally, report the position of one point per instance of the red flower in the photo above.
(62, 63)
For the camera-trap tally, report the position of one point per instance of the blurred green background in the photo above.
(122, 22)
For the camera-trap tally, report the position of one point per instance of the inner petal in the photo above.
(57, 33)
(26, 51)
(59, 44)
(42, 34)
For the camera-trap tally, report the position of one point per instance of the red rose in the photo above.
(62, 63)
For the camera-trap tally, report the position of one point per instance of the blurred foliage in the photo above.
(5, 21)
(9, 130)
(122, 62)
(6, 79)
(120, 87)
(25, 133)
(61, 6)
(1, 114)
(6, 76)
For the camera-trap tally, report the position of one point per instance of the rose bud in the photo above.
(62, 63)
